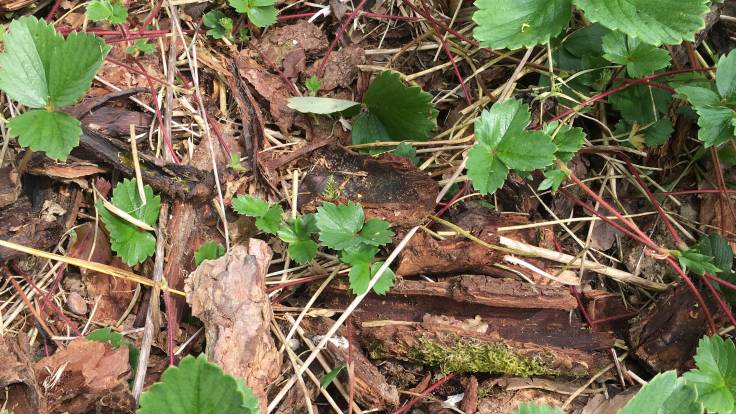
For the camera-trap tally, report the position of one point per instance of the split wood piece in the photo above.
(666, 334)
(94, 375)
(608, 307)
(388, 187)
(19, 391)
(486, 291)
(228, 296)
(523, 321)
(371, 388)
(472, 346)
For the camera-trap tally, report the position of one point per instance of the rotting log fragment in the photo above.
(388, 187)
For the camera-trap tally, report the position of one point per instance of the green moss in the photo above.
(467, 355)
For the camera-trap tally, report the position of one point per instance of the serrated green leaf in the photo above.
(698, 96)
(339, 224)
(262, 16)
(112, 11)
(715, 375)
(376, 232)
(55, 133)
(317, 105)
(250, 206)
(567, 140)
(553, 178)
(717, 246)
(664, 394)
(726, 76)
(486, 172)
(218, 24)
(513, 24)
(130, 243)
(359, 277)
(271, 221)
(313, 85)
(653, 21)
(696, 262)
(360, 254)
(197, 387)
(303, 251)
(298, 234)
(716, 124)
(73, 65)
(658, 133)
(408, 151)
(534, 408)
(526, 152)
(209, 250)
(509, 117)
(406, 112)
(641, 104)
(640, 58)
(385, 282)
(368, 128)
(330, 376)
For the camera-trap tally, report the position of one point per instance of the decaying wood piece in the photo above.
(666, 334)
(473, 346)
(388, 187)
(91, 371)
(39, 228)
(228, 295)
(10, 188)
(17, 378)
(371, 388)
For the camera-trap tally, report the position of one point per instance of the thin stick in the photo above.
(136, 166)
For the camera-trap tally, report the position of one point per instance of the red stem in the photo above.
(53, 307)
(426, 392)
(153, 14)
(339, 33)
(688, 192)
(726, 308)
(53, 10)
(583, 311)
(698, 296)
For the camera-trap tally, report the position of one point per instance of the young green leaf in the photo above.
(567, 140)
(330, 376)
(553, 179)
(698, 96)
(512, 24)
(298, 234)
(271, 221)
(140, 45)
(313, 85)
(658, 133)
(261, 13)
(533, 408)
(654, 22)
(640, 59)
(715, 375)
(726, 77)
(717, 247)
(527, 151)
(317, 105)
(339, 224)
(665, 393)
(112, 11)
(487, 173)
(197, 386)
(406, 112)
(376, 232)
(129, 242)
(360, 258)
(250, 206)
(715, 123)
(385, 282)
(695, 262)
(55, 133)
(408, 151)
(219, 26)
(209, 250)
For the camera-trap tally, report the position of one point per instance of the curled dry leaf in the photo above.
(228, 296)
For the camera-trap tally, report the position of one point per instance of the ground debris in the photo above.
(19, 391)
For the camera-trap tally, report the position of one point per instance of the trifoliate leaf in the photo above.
(55, 133)
(716, 124)
(209, 250)
(376, 232)
(665, 393)
(132, 244)
(553, 178)
(261, 13)
(653, 21)
(715, 375)
(298, 234)
(726, 77)
(271, 221)
(509, 117)
(640, 59)
(512, 24)
(317, 105)
(486, 172)
(696, 262)
(361, 254)
(197, 387)
(658, 133)
(698, 96)
(406, 112)
(220, 26)
(330, 376)
(567, 140)
(40, 68)
(339, 224)
(368, 128)
(113, 11)
(250, 206)
(526, 152)
(385, 282)
(408, 151)
(303, 251)
(534, 408)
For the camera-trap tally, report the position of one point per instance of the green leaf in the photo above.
(209, 250)
(298, 234)
(220, 26)
(715, 375)
(553, 179)
(116, 340)
(313, 85)
(640, 59)
(726, 76)
(368, 128)
(112, 11)
(197, 387)
(359, 277)
(716, 124)
(271, 221)
(385, 282)
(509, 117)
(406, 112)
(698, 96)
(533, 408)
(55, 133)
(527, 152)
(359, 255)
(339, 224)
(130, 243)
(316, 105)
(376, 232)
(696, 262)
(653, 21)
(567, 140)
(717, 247)
(658, 133)
(513, 24)
(330, 376)
(250, 206)
(143, 46)
(664, 394)
(408, 151)
(486, 172)
(641, 104)
(262, 16)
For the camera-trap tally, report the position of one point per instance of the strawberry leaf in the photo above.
(367, 127)
(128, 241)
(197, 386)
(339, 224)
(698, 95)
(715, 375)
(298, 234)
(726, 76)
(209, 250)
(553, 179)
(527, 151)
(486, 172)
(696, 262)
(567, 140)
(55, 133)
(653, 21)
(513, 24)
(271, 221)
(716, 124)
(533, 408)
(250, 206)
(376, 232)
(658, 133)
(317, 105)
(640, 58)
(385, 282)
(261, 13)
(113, 12)
(665, 393)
